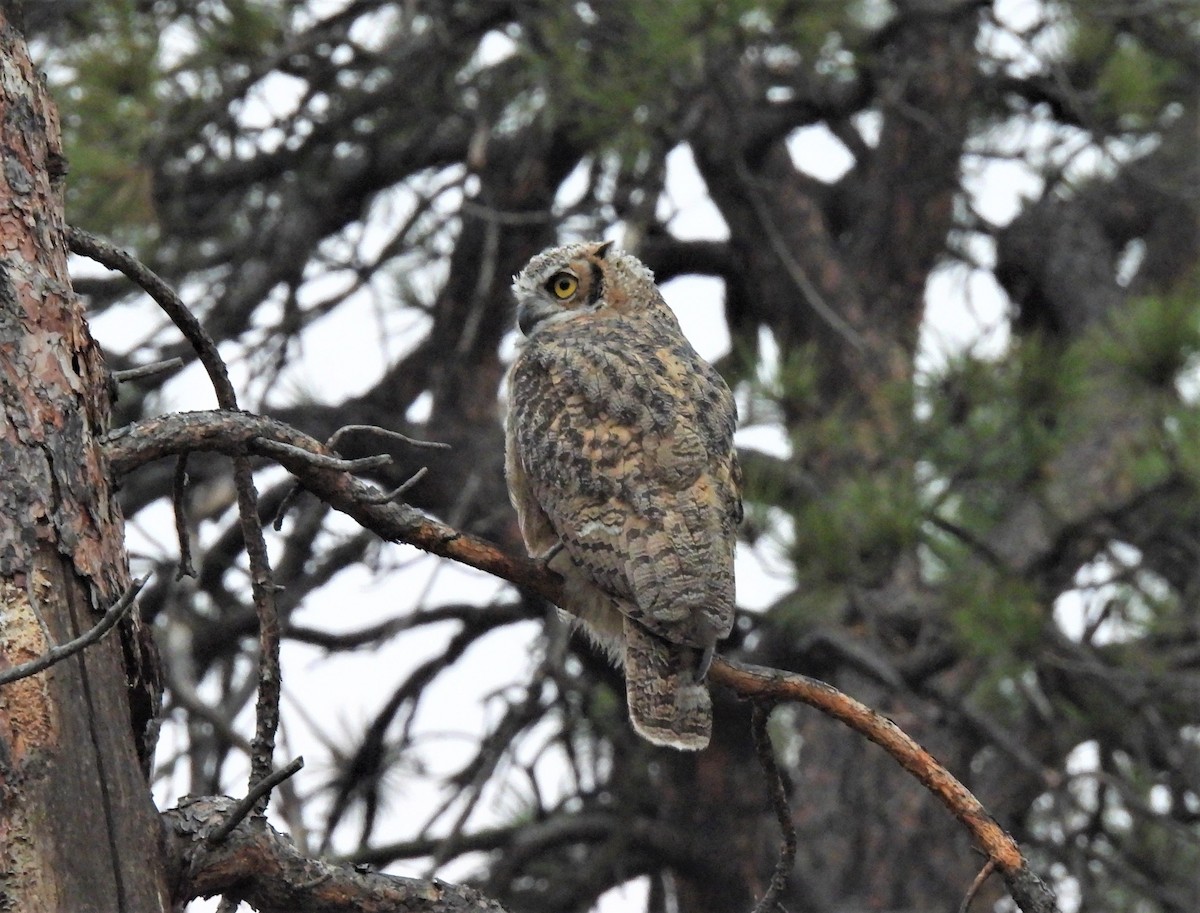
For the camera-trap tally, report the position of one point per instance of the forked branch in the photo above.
(259, 865)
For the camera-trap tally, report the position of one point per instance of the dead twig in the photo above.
(58, 653)
(178, 493)
(384, 496)
(382, 432)
(779, 804)
(157, 367)
(984, 874)
(252, 798)
(379, 498)
(323, 460)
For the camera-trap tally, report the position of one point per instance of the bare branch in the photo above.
(252, 799)
(178, 491)
(779, 803)
(756, 682)
(984, 874)
(485, 617)
(384, 496)
(259, 865)
(58, 653)
(261, 582)
(151, 439)
(88, 245)
(149, 370)
(382, 432)
(365, 463)
(326, 462)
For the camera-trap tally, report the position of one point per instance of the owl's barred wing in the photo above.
(625, 439)
(620, 449)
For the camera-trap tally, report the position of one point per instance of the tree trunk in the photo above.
(78, 830)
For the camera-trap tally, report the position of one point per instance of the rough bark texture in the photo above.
(943, 513)
(259, 865)
(78, 831)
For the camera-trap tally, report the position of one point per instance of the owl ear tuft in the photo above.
(603, 249)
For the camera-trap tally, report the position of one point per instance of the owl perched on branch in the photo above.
(621, 466)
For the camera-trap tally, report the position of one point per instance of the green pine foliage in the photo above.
(136, 72)
(1132, 83)
(109, 108)
(617, 84)
(985, 432)
(1157, 338)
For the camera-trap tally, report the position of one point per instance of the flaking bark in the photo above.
(78, 831)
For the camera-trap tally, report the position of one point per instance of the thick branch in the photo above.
(259, 865)
(142, 442)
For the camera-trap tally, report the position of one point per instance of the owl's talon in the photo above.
(551, 552)
(705, 663)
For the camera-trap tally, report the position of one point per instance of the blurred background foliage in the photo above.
(946, 253)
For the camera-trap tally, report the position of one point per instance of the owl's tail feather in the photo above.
(667, 706)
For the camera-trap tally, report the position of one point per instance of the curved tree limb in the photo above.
(759, 683)
(147, 440)
(144, 441)
(262, 583)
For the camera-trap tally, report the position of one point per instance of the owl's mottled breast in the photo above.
(626, 437)
(621, 466)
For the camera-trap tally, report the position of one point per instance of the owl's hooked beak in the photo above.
(531, 311)
(527, 318)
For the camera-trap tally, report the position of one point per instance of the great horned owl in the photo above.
(620, 463)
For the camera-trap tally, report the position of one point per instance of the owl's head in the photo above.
(575, 280)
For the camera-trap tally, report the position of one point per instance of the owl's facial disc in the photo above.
(568, 291)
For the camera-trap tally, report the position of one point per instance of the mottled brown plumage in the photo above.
(620, 450)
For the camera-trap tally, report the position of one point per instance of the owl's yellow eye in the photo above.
(563, 285)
